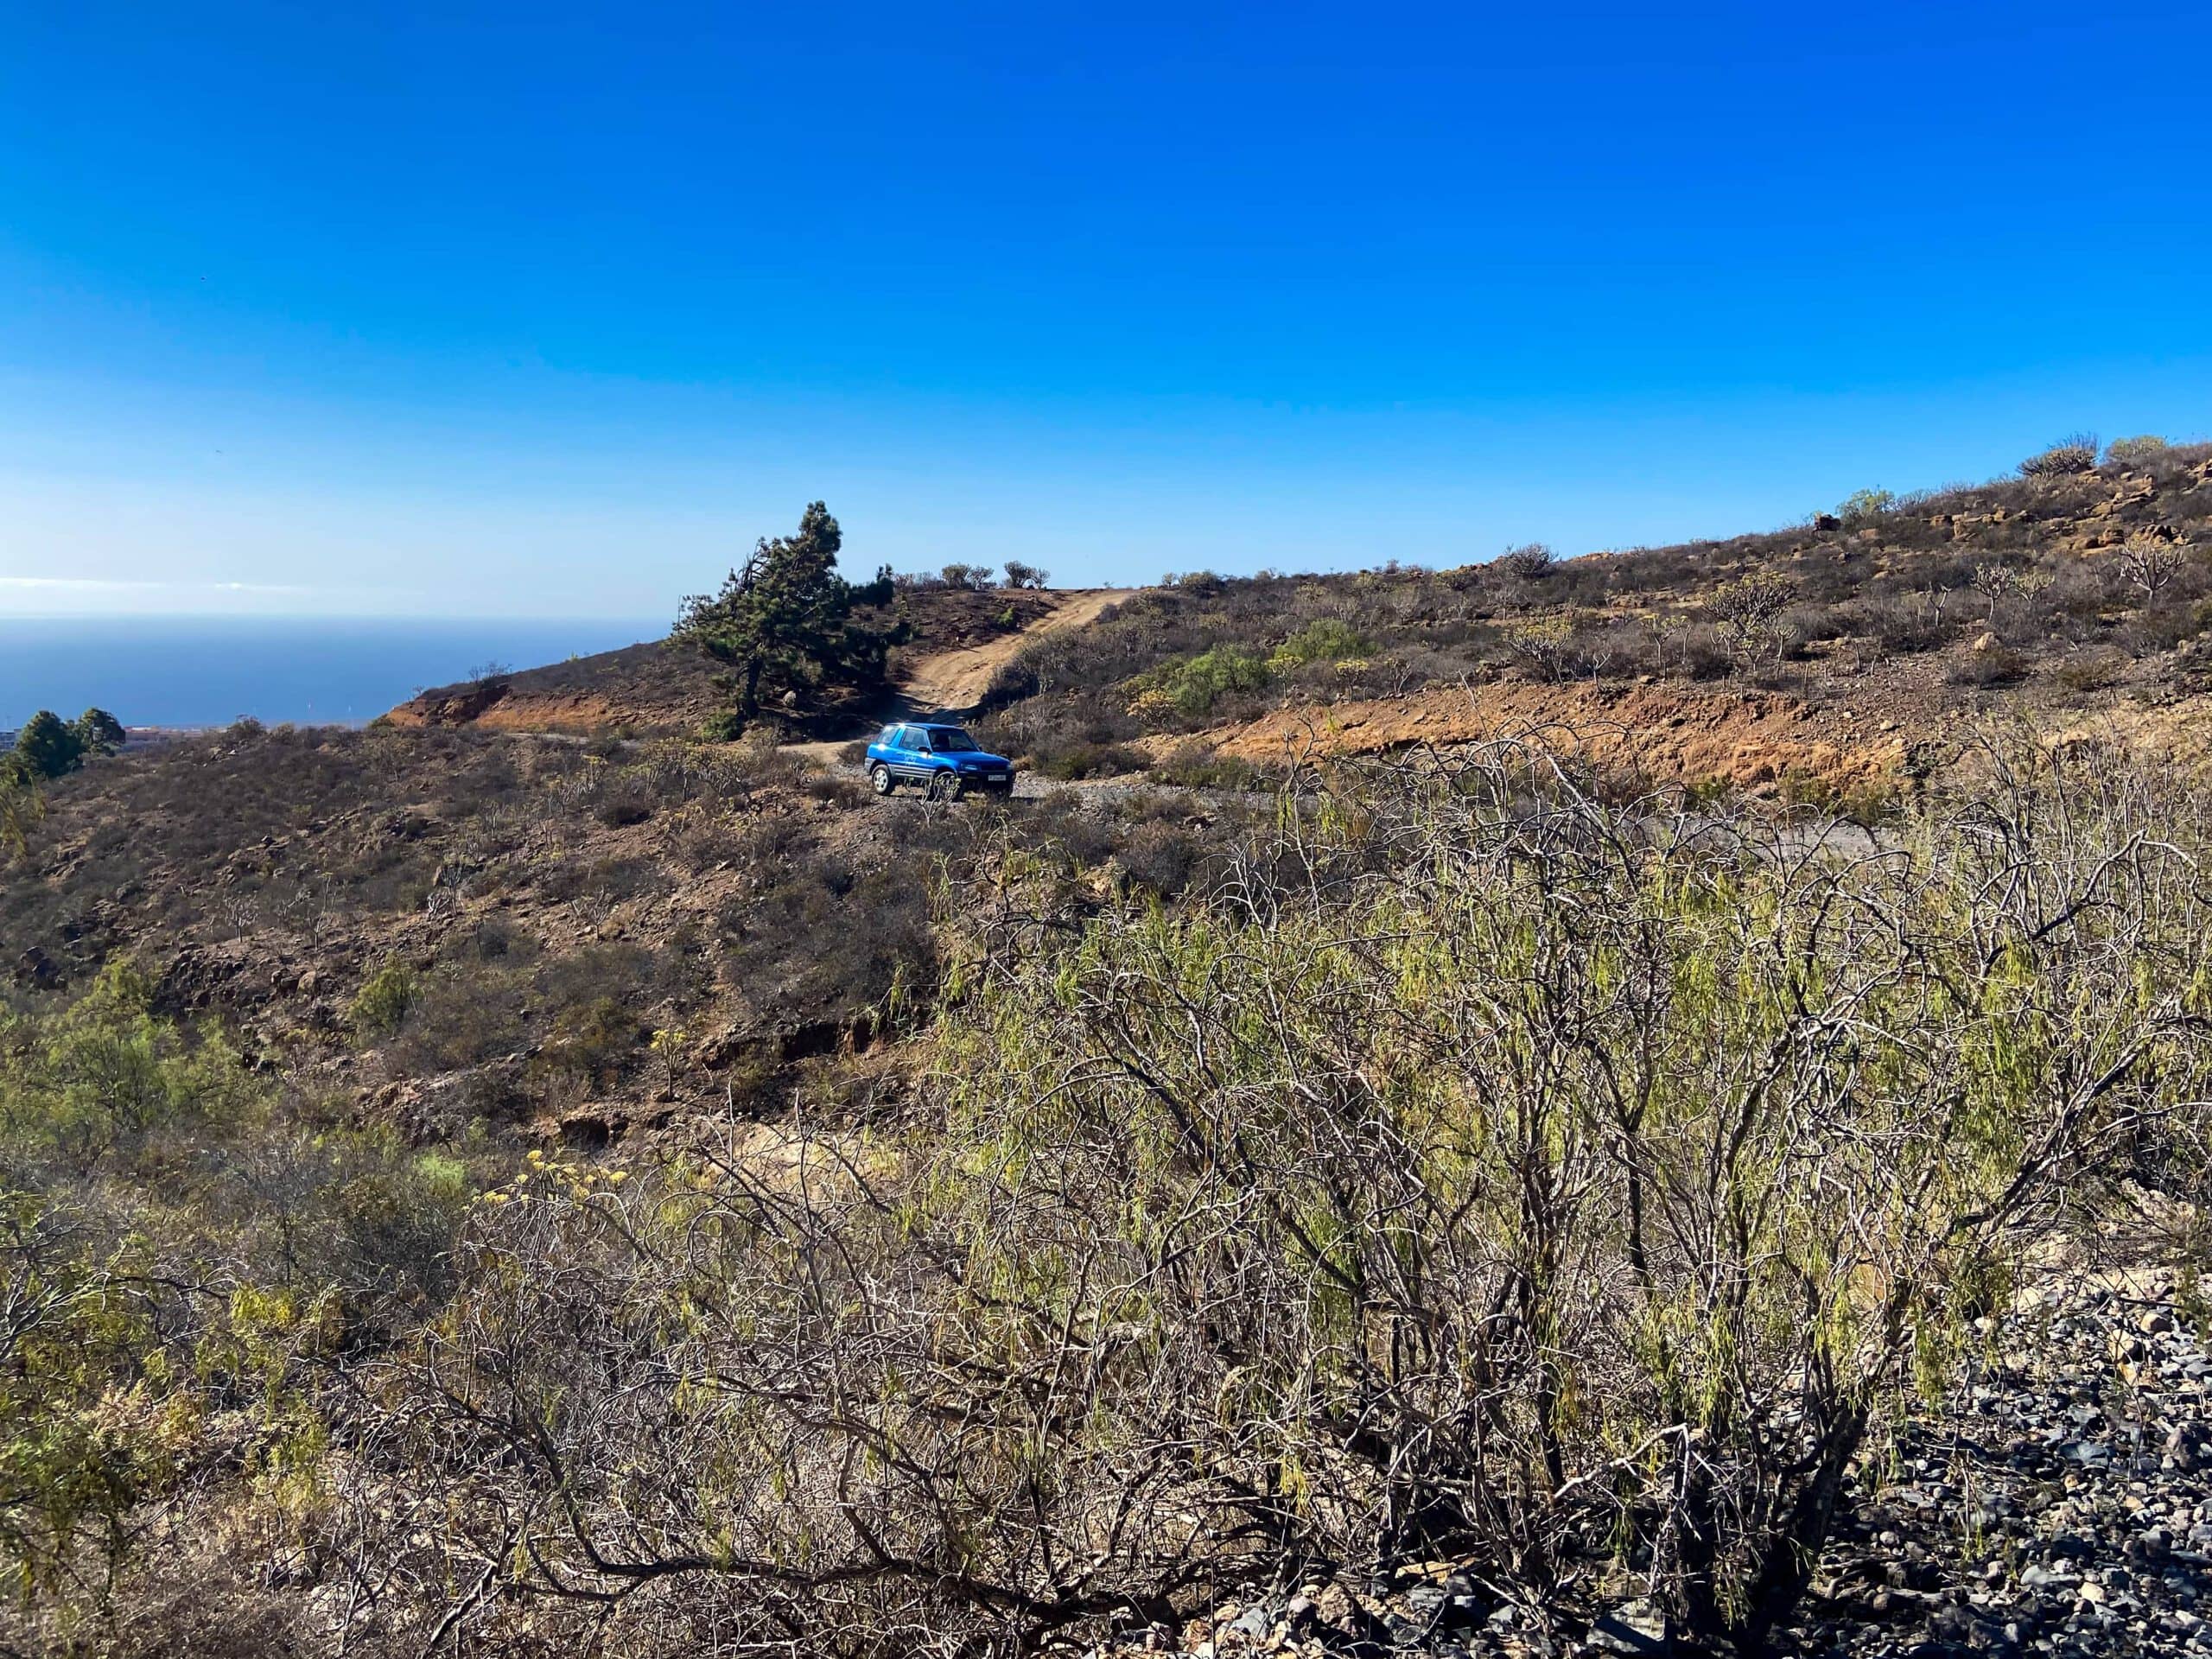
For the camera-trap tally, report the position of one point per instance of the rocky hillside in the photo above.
(1834, 656)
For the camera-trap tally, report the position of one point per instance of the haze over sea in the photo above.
(185, 671)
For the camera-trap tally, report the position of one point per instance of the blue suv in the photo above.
(943, 759)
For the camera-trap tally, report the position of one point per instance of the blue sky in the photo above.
(549, 310)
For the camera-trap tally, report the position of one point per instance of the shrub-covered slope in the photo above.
(443, 926)
(1471, 1184)
(1851, 644)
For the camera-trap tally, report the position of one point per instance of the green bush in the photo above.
(380, 1006)
(1323, 640)
(182, 1267)
(1861, 506)
(591, 1041)
(106, 1073)
(1194, 685)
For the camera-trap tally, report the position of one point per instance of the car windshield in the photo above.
(950, 740)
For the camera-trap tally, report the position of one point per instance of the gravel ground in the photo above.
(1093, 793)
(2059, 1501)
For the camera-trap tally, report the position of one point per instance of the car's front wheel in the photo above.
(879, 778)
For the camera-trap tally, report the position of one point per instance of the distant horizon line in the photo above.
(399, 618)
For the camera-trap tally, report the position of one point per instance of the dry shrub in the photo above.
(2077, 453)
(1999, 666)
(1482, 1168)
(2085, 671)
(1529, 561)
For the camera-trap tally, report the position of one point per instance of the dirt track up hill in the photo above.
(954, 681)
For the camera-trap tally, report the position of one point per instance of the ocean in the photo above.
(188, 671)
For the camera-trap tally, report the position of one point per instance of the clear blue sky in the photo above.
(550, 310)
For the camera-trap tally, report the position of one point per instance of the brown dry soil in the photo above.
(1664, 731)
(1858, 745)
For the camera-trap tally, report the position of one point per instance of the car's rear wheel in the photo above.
(879, 778)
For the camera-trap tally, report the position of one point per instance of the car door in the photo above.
(913, 759)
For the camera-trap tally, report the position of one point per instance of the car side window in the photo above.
(888, 737)
(918, 739)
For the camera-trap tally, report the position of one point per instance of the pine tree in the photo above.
(98, 732)
(786, 617)
(46, 747)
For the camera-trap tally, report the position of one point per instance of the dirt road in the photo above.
(954, 682)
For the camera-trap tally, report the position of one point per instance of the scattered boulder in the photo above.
(39, 971)
(1634, 1627)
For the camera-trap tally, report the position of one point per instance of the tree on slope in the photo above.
(98, 732)
(48, 746)
(786, 617)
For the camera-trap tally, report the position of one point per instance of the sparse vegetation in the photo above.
(974, 578)
(1747, 610)
(1885, 578)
